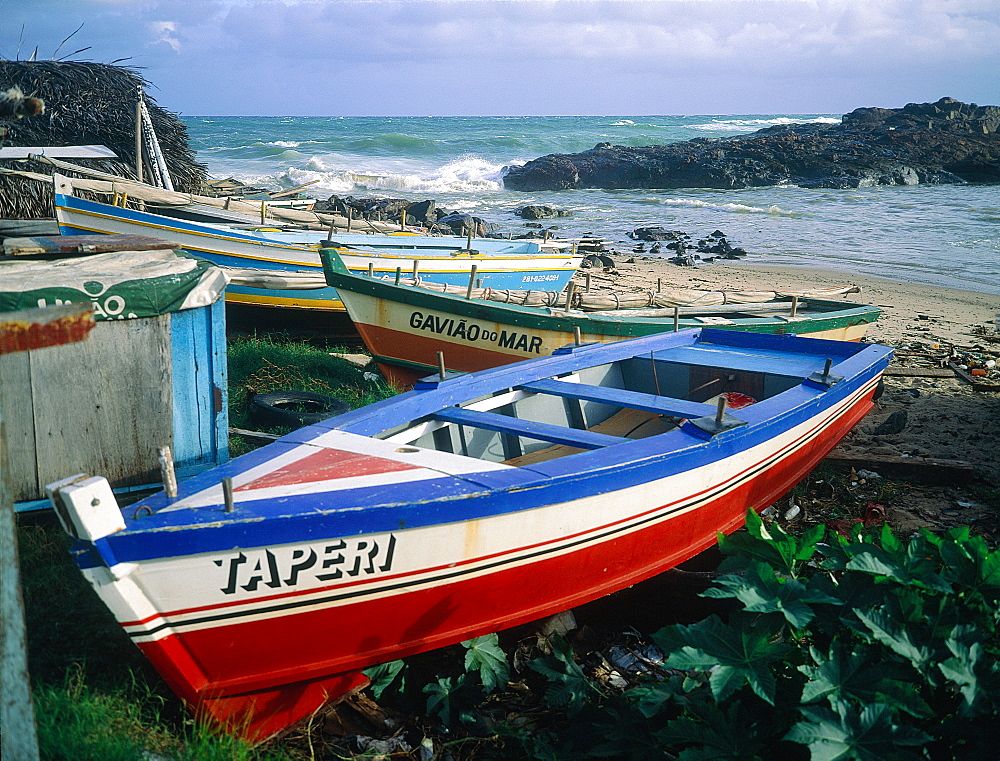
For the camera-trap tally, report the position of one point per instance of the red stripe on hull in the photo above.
(266, 687)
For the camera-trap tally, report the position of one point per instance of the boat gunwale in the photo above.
(492, 492)
(831, 313)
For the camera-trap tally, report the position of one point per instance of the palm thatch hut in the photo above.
(86, 103)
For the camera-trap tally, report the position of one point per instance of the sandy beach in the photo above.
(921, 312)
(948, 431)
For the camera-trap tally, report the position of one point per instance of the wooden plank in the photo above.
(104, 406)
(977, 382)
(32, 328)
(630, 423)
(65, 245)
(922, 469)
(919, 372)
(542, 431)
(10, 228)
(17, 412)
(59, 152)
(621, 398)
(200, 415)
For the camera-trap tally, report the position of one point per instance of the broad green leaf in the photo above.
(761, 591)
(383, 675)
(737, 654)
(840, 735)
(891, 634)
(913, 570)
(568, 685)
(483, 654)
(439, 699)
(716, 732)
(970, 671)
(773, 546)
(653, 698)
(889, 541)
(849, 676)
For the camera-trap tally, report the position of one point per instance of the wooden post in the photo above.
(333, 226)
(51, 326)
(263, 212)
(138, 134)
(472, 281)
(415, 263)
(167, 475)
(795, 305)
(371, 269)
(468, 243)
(350, 213)
(402, 220)
(677, 318)
(570, 291)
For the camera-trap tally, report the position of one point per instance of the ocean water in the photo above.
(941, 235)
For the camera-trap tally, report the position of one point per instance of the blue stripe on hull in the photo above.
(391, 507)
(489, 274)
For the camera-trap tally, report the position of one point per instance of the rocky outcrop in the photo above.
(942, 142)
(540, 211)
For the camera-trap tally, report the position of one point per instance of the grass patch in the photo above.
(259, 365)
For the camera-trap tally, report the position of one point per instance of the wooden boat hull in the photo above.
(499, 264)
(404, 327)
(351, 543)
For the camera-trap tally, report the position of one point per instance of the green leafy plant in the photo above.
(860, 647)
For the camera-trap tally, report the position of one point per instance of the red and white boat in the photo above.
(471, 504)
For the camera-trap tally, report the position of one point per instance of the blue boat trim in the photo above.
(390, 507)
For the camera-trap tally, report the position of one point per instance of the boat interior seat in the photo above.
(661, 405)
(626, 423)
(556, 434)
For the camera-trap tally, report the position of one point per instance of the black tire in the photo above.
(293, 409)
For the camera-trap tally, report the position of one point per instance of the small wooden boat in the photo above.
(405, 326)
(291, 258)
(473, 503)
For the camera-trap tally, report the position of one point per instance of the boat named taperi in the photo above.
(470, 504)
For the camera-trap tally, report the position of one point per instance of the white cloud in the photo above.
(164, 31)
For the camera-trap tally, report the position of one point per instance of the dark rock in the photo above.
(652, 233)
(537, 211)
(424, 212)
(893, 424)
(935, 143)
(460, 224)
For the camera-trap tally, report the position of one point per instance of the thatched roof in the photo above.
(86, 103)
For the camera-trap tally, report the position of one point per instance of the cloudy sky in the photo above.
(525, 57)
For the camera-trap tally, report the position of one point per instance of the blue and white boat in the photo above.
(473, 503)
(281, 268)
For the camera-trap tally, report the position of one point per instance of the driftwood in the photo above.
(921, 469)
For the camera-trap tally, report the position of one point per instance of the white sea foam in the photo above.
(739, 208)
(743, 125)
(468, 174)
(623, 123)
